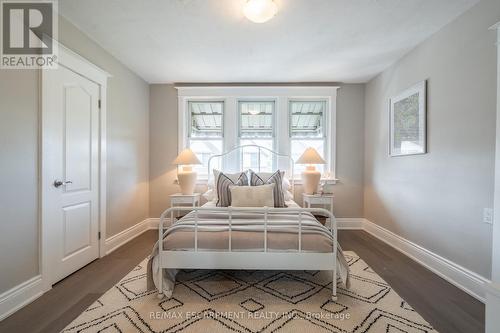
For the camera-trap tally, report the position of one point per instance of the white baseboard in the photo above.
(154, 222)
(350, 223)
(492, 307)
(493, 289)
(19, 296)
(115, 241)
(464, 279)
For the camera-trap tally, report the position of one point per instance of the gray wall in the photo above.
(436, 200)
(18, 176)
(163, 147)
(128, 155)
(350, 127)
(348, 191)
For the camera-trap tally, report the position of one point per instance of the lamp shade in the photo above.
(186, 157)
(310, 156)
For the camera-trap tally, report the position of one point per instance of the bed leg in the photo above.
(160, 283)
(334, 286)
(159, 257)
(333, 225)
(334, 282)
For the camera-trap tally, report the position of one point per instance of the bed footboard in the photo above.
(240, 259)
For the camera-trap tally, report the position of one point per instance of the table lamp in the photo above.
(310, 176)
(186, 177)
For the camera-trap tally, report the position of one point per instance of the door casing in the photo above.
(493, 288)
(83, 67)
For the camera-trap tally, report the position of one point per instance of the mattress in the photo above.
(247, 232)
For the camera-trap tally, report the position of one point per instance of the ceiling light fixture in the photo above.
(260, 11)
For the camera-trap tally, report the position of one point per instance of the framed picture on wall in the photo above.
(408, 113)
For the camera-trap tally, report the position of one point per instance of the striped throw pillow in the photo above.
(276, 179)
(223, 188)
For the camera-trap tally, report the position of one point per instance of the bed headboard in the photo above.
(279, 161)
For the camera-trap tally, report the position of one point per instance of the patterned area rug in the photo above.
(253, 301)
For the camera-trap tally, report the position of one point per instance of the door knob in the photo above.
(58, 183)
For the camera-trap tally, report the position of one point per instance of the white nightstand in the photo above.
(318, 199)
(179, 199)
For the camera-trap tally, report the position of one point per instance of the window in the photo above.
(256, 127)
(307, 121)
(206, 132)
(287, 120)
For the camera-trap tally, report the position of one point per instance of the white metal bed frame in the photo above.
(241, 259)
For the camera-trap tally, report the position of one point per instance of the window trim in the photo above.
(230, 95)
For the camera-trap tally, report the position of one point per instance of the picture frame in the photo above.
(408, 121)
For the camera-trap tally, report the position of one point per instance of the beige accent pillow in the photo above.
(252, 196)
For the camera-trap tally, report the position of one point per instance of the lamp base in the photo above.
(310, 181)
(187, 181)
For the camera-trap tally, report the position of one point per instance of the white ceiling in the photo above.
(308, 40)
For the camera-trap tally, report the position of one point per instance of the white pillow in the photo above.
(252, 196)
(209, 195)
(286, 184)
(288, 195)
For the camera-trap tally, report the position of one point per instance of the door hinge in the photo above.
(99, 235)
(99, 103)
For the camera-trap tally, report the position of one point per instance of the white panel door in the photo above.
(71, 177)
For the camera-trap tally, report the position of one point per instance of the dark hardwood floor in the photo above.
(71, 296)
(444, 306)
